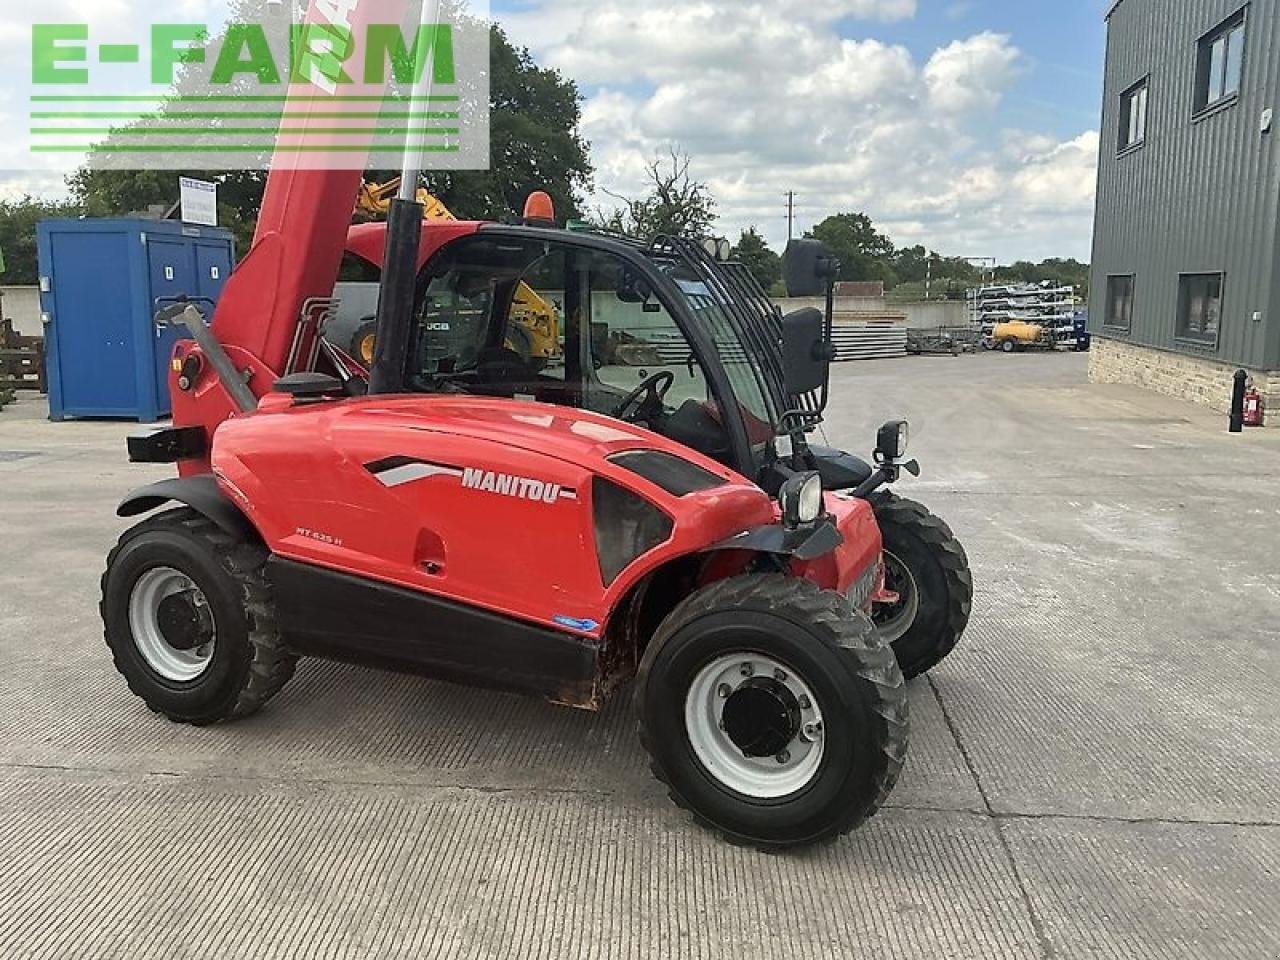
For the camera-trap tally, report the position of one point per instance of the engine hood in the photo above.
(577, 436)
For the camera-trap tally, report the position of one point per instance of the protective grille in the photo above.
(754, 319)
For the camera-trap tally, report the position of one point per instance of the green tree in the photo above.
(765, 265)
(864, 253)
(115, 193)
(535, 145)
(911, 264)
(18, 219)
(676, 204)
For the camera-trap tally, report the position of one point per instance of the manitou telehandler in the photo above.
(560, 531)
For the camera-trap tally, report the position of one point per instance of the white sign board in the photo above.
(199, 202)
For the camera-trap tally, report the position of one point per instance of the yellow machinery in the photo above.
(1016, 335)
(535, 333)
(374, 202)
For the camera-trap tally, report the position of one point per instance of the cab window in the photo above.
(560, 324)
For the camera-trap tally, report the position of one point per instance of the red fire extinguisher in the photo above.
(1253, 408)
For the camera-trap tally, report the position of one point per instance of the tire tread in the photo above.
(272, 665)
(953, 559)
(840, 625)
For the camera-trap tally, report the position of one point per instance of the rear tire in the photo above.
(929, 568)
(728, 695)
(364, 342)
(1009, 346)
(190, 622)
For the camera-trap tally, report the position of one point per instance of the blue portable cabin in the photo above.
(100, 281)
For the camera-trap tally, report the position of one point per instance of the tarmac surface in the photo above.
(1095, 773)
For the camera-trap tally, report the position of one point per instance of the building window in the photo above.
(1220, 64)
(1133, 116)
(1120, 302)
(1200, 308)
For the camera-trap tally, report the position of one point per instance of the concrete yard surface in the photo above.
(1095, 773)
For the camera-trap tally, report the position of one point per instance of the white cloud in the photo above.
(972, 74)
(765, 103)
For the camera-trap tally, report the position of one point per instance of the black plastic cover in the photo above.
(804, 543)
(168, 445)
(310, 385)
(840, 470)
(676, 476)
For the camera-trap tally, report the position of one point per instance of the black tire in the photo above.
(837, 652)
(939, 573)
(362, 343)
(249, 663)
(1009, 346)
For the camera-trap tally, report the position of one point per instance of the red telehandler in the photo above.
(556, 531)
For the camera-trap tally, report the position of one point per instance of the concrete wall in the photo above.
(935, 313)
(22, 306)
(923, 315)
(876, 305)
(1198, 379)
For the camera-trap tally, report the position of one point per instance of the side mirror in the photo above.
(808, 267)
(806, 354)
(633, 289)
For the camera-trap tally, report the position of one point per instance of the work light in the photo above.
(892, 441)
(801, 500)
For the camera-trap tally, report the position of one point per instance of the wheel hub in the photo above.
(755, 726)
(184, 623)
(762, 717)
(893, 620)
(172, 625)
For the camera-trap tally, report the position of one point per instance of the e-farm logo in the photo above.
(319, 54)
(353, 94)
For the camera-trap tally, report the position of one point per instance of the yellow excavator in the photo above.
(536, 331)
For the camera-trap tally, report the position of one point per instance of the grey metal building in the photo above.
(1186, 282)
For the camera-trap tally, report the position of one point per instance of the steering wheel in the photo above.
(654, 390)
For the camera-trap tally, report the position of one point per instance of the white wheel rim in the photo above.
(764, 778)
(150, 590)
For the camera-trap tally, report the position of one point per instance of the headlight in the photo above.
(893, 440)
(801, 499)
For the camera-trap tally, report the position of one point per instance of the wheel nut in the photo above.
(812, 731)
(780, 676)
(723, 691)
(747, 670)
(805, 703)
(783, 757)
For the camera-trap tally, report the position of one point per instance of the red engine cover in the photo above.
(394, 489)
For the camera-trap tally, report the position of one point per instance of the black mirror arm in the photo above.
(828, 337)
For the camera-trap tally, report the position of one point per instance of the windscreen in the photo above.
(740, 326)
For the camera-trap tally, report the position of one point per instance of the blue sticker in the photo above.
(573, 623)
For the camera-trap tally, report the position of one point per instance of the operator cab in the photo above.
(625, 319)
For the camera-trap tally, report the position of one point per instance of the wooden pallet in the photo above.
(22, 361)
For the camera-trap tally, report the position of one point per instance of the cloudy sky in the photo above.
(966, 125)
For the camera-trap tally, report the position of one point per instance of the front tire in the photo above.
(929, 570)
(189, 620)
(772, 711)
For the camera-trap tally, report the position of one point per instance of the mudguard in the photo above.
(804, 543)
(200, 493)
